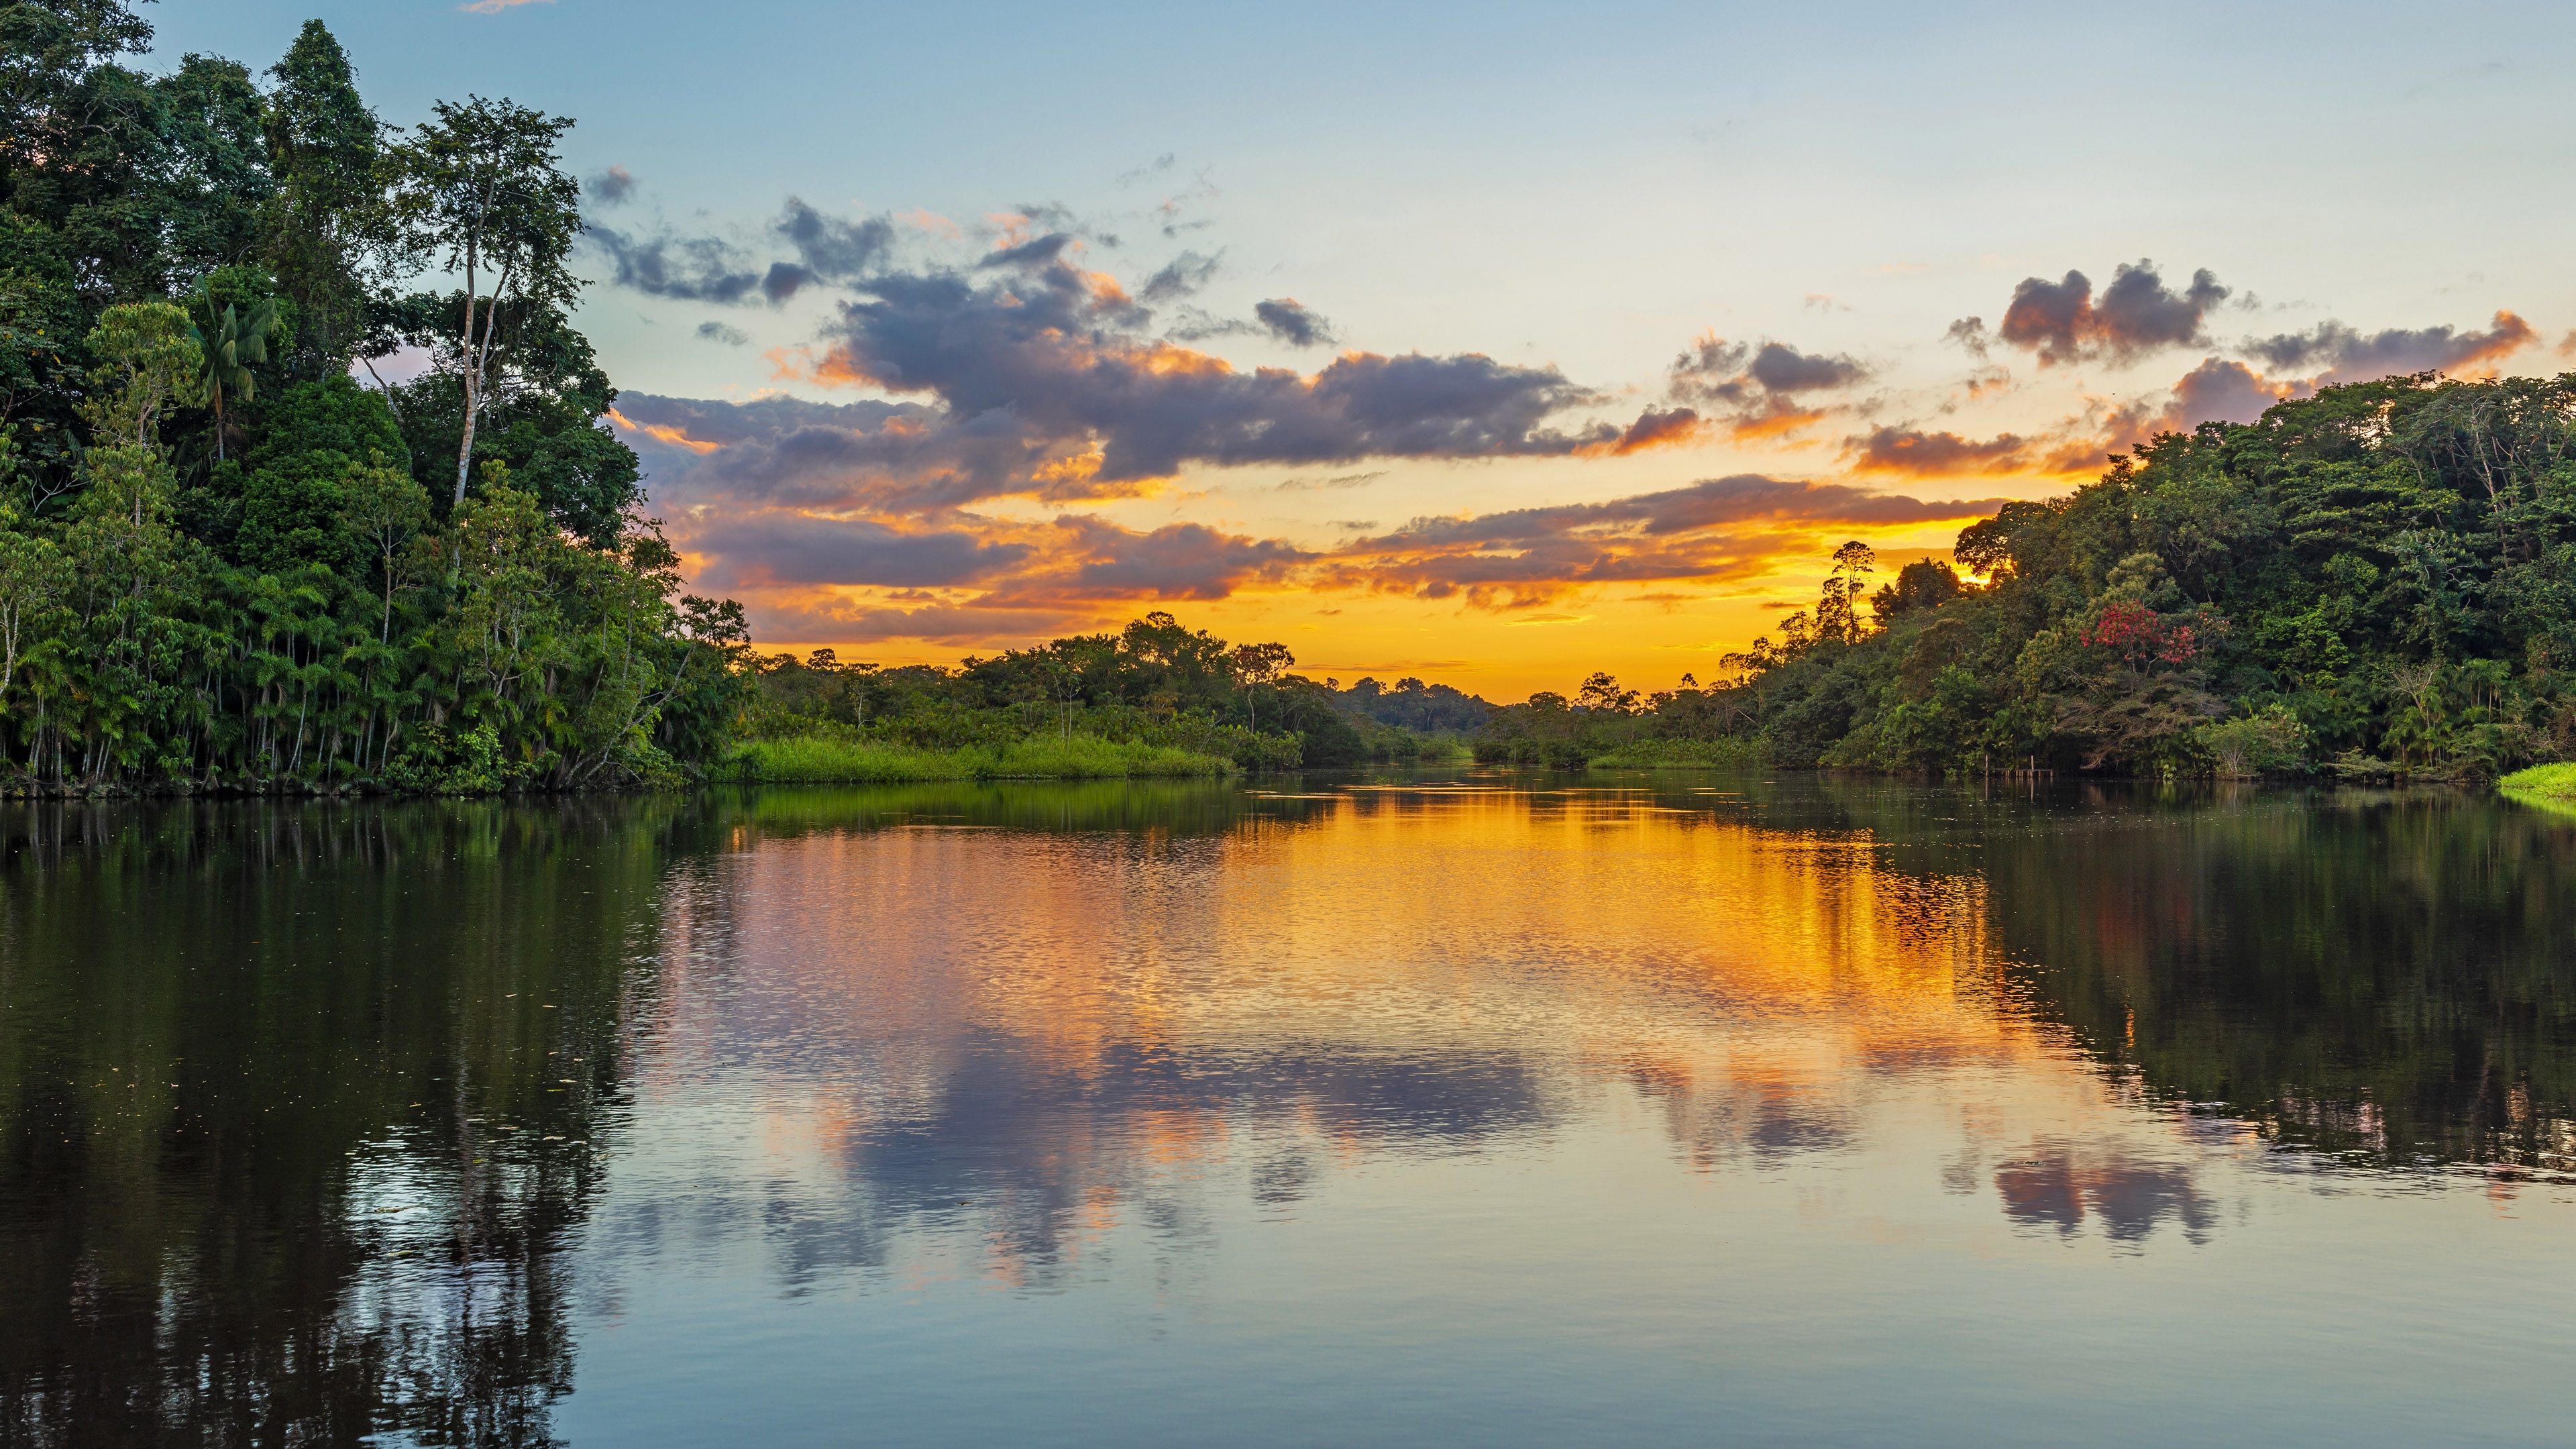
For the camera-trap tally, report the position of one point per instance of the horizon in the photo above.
(1576, 355)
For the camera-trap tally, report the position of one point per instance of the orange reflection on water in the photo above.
(1049, 1027)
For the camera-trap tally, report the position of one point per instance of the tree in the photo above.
(33, 578)
(327, 223)
(227, 345)
(148, 356)
(1837, 617)
(1259, 666)
(480, 189)
(384, 508)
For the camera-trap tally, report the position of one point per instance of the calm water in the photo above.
(1472, 1110)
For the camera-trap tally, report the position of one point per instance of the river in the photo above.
(1435, 1107)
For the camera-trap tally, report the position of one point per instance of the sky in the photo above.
(1487, 344)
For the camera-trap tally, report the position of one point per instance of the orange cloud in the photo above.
(672, 436)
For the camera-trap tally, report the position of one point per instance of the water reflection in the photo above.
(320, 1121)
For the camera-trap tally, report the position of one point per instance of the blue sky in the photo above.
(1588, 191)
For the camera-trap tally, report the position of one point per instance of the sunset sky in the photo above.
(1491, 344)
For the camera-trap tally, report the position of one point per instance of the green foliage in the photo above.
(2551, 787)
(1659, 754)
(2380, 579)
(183, 263)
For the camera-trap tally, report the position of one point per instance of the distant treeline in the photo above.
(1155, 682)
(224, 564)
(2377, 580)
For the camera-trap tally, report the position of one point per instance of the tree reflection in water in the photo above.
(304, 1108)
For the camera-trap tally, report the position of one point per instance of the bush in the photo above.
(2270, 743)
(1685, 754)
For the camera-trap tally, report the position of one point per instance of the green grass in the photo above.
(1682, 754)
(808, 760)
(2551, 787)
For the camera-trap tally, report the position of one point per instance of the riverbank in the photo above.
(2551, 787)
(814, 760)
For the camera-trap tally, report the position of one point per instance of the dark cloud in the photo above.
(1783, 369)
(1290, 322)
(1653, 429)
(1707, 370)
(2137, 314)
(1037, 253)
(711, 269)
(610, 187)
(1178, 561)
(719, 332)
(801, 549)
(1756, 390)
(2228, 392)
(1919, 454)
(2350, 356)
(686, 269)
(1346, 480)
(837, 250)
(1969, 333)
(1059, 361)
(1180, 277)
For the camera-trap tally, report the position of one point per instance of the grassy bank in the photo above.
(2551, 787)
(1683, 754)
(810, 760)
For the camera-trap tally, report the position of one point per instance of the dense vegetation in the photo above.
(226, 564)
(1154, 698)
(2377, 580)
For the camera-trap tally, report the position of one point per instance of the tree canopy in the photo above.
(224, 563)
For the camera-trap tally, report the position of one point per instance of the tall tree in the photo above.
(480, 188)
(326, 226)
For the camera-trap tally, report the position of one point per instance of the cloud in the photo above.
(831, 248)
(719, 332)
(495, 7)
(1180, 277)
(1669, 429)
(2136, 315)
(784, 548)
(2350, 356)
(712, 269)
(1346, 480)
(1780, 368)
(1755, 390)
(610, 187)
(2227, 392)
(1036, 253)
(1290, 322)
(1716, 528)
(1045, 363)
(686, 269)
(1177, 561)
(1920, 454)
(762, 498)
(1970, 333)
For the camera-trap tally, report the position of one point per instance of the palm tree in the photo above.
(230, 341)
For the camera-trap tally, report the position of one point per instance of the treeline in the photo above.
(1155, 682)
(2379, 580)
(224, 564)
